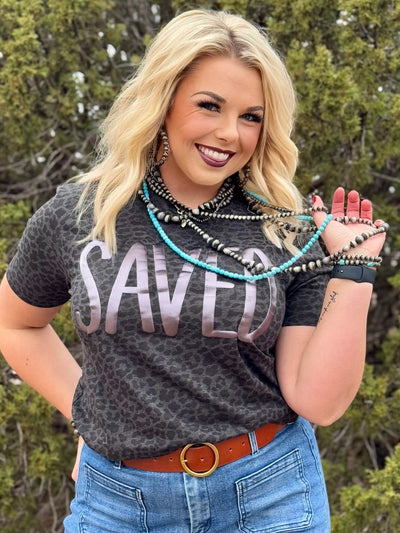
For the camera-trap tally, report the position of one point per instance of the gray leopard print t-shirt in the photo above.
(173, 354)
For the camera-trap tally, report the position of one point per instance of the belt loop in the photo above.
(253, 442)
(117, 464)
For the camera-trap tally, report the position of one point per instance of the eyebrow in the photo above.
(221, 100)
(213, 95)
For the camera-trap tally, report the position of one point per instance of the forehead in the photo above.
(226, 76)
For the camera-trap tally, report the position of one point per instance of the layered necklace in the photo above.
(192, 218)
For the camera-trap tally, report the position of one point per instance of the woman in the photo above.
(197, 301)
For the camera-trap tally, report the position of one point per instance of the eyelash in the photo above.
(253, 117)
(212, 106)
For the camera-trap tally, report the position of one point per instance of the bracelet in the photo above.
(356, 273)
(76, 432)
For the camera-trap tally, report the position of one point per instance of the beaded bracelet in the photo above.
(76, 432)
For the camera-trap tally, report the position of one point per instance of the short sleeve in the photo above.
(304, 300)
(305, 295)
(37, 272)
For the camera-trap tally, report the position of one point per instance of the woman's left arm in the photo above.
(320, 369)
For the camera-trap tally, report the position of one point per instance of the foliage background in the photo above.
(61, 64)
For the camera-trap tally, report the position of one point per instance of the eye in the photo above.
(210, 106)
(252, 117)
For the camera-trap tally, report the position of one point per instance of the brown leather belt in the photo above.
(201, 460)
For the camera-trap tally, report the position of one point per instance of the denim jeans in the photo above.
(279, 488)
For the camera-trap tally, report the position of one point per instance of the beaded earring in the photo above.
(165, 142)
(246, 173)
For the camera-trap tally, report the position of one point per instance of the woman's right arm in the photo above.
(33, 349)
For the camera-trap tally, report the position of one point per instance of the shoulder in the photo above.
(67, 196)
(61, 208)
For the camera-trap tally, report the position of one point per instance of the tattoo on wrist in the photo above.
(331, 301)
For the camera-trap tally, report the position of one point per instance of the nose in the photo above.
(227, 129)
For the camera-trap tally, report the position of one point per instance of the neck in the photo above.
(182, 198)
(191, 196)
(188, 193)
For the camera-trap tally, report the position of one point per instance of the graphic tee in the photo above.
(172, 353)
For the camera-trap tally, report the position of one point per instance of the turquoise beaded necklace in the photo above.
(273, 271)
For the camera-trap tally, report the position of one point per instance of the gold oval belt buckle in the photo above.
(192, 472)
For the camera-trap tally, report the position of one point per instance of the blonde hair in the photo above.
(130, 132)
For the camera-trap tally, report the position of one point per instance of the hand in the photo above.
(75, 470)
(337, 235)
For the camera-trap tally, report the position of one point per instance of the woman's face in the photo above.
(213, 127)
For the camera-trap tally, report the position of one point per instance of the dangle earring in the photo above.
(246, 173)
(165, 143)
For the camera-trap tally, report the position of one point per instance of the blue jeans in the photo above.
(279, 488)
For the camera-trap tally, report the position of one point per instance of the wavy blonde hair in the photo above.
(129, 135)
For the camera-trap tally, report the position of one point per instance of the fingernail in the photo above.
(314, 198)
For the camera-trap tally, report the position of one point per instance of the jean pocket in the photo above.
(275, 498)
(110, 505)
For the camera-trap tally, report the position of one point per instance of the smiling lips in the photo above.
(212, 157)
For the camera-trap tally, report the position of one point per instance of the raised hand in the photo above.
(352, 225)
